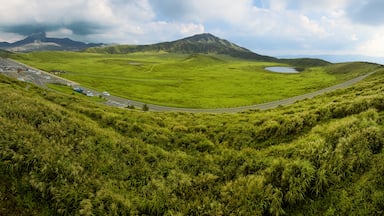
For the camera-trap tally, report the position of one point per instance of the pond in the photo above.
(282, 69)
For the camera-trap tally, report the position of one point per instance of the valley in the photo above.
(202, 81)
(44, 79)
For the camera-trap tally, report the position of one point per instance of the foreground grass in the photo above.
(196, 81)
(62, 155)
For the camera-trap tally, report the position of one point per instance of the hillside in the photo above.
(39, 42)
(302, 63)
(61, 155)
(201, 43)
(5, 53)
(206, 44)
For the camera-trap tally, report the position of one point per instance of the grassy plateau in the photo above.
(193, 81)
(64, 155)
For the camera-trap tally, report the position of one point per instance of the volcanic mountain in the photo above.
(39, 41)
(202, 43)
(198, 44)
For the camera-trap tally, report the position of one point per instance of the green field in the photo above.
(68, 90)
(65, 155)
(194, 81)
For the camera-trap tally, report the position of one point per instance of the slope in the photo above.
(40, 41)
(5, 53)
(60, 155)
(201, 43)
(302, 63)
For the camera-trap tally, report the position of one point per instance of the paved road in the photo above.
(37, 76)
(112, 100)
(41, 77)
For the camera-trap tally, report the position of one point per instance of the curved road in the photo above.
(117, 101)
(122, 102)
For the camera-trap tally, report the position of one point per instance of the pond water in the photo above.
(282, 69)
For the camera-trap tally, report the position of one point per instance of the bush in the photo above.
(145, 107)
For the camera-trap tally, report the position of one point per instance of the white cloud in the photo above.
(373, 46)
(10, 37)
(203, 11)
(229, 11)
(312, 26)
(354, 37)
(294, 26)
(188, 29)
(277, 5)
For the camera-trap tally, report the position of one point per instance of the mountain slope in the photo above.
(61, 155)
(201, 43)
(39, 41)
(5, 53)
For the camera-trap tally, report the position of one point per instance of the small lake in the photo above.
(282, 69)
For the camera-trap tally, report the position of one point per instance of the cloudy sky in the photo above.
(270, 27)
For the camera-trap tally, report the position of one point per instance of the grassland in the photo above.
(195, 81)
(63, 155)
(68, 90)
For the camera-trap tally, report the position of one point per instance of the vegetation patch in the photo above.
(64, 155)
(191, 80)
(70, 91)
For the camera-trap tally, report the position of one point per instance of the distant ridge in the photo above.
(205, 43)
(39, 41)
(201, 43)
(5, 53)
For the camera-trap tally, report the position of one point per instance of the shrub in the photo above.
(145, 107)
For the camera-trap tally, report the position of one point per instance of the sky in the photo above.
(268, 27)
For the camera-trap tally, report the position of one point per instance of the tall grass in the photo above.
(62, 155)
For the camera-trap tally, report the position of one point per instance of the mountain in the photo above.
(4, 44)
(202, 43)
(39, 41)
(4, 53)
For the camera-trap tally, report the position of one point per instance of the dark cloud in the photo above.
(80, 28)
(75, 17)
(86, 28)
(26, 29)
(368, 12)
